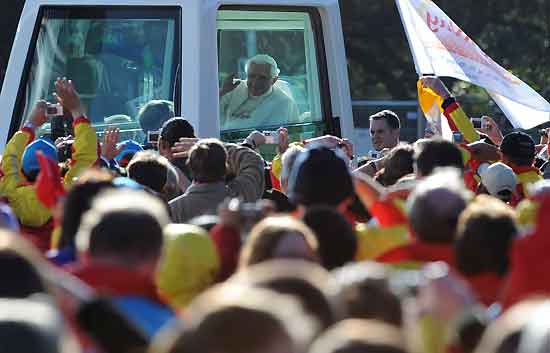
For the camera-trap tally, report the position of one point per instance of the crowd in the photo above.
(190, 245)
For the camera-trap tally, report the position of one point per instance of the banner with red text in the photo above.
(439, 47)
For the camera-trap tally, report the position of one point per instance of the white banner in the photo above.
(441, 48)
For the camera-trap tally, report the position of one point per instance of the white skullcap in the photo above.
(264, 59)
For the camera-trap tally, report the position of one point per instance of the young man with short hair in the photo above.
(211, 164)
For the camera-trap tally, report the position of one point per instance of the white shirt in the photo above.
(238, 110)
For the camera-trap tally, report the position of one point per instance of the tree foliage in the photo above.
(514, 33)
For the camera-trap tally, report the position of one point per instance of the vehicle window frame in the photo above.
(322, 66)
(93, 12)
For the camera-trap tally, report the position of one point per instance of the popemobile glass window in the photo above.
(118, 59)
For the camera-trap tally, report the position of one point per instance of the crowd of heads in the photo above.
(194, 245)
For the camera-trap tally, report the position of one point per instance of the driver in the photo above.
(258, 101)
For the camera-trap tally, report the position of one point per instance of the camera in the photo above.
(54, 110)
(458, 138)
(271, 137)
(153, 137)
(65, 148)
(477, 122)
(252, 211)
(374, 154)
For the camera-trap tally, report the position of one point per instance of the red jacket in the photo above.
(115, 281)
(529, 261)
(419, 252)
(228, 244)
(487, 286)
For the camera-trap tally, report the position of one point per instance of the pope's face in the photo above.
(259, 79)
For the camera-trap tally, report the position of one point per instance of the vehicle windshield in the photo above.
(118, 58)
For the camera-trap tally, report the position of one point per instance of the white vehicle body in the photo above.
(200, 24)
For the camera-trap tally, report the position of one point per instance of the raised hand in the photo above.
(491, 129)
(435, 84)
(182, 147)
(38, 114)
(109, 148)
(68, 97)
(283, 140)
(229, 84)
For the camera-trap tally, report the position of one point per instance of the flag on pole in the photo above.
(439, 47)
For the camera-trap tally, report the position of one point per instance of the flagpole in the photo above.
(420, 119)
(405, 20)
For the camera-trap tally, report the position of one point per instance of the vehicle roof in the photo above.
(193, 3)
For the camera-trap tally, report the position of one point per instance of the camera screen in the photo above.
(477, 123)
(153, 136)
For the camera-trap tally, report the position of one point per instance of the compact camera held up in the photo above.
(54, 110)
(271, 137)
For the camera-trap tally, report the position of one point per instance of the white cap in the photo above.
(498, 177)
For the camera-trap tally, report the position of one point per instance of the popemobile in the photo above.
(229, 66)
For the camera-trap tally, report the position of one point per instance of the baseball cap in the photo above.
(130, 146)
(519, 145)
(29, 160)
(320, 176)
(498, 177)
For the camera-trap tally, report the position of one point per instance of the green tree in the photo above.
(514, 33)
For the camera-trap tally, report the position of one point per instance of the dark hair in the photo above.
(149, 169)
(365, 289)
(437, 153)
(337, 240)
(207, 161)
(124, 224)
(39, 330)
(360, 336)
(222, 319)
(154, 113)
(174, 129)
(305, 281)
(390, 117)
(434, 215)
(320, 176)
(31, 175)
(398, 164)
(78, 201)
(518, 148)
(21, 276)
(485, 232)
(131, 235)
(521, 161)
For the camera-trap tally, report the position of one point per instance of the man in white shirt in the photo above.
(258, 101)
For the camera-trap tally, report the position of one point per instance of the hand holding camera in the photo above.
(490, 128)
(244, 215)
(54, 110)
(38, 115)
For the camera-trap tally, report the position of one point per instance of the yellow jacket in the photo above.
(21, 194)
(189, 265)
(373, 241)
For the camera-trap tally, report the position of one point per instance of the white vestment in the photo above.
(238, 110)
